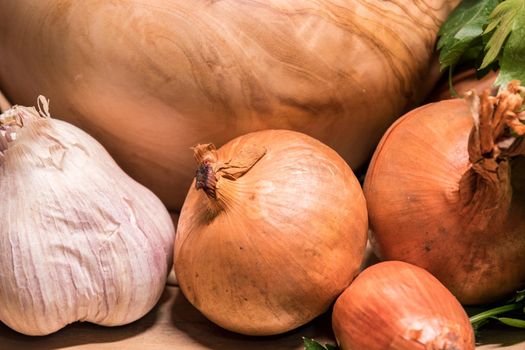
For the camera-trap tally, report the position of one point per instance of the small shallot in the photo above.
(398, 306)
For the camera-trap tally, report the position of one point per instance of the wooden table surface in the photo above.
(175, 324)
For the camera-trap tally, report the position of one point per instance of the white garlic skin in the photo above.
(79, 239)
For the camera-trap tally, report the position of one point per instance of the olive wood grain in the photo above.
(150, 79)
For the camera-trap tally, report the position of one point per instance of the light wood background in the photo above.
(175, 324)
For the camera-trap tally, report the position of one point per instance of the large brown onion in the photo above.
(448, 194)
(277, 233)
(149, 78)
(399, 306)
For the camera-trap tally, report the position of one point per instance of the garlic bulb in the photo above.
(79, 240)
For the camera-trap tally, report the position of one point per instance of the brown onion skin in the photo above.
(417, 215)
(398, 306)
(148, 79)
(289, 240)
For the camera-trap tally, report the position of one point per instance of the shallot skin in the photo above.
(289, 239)
(398, 306)
(424, 206)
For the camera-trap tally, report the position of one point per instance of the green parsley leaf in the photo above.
(513, 322)
(520, 295)
(486, 35)
(512, 61)
(461, 29)
(514, 311)
(310, 344)
(502, 22)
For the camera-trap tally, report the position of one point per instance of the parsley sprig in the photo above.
(310, 344)
(511, 313)
(486, 35)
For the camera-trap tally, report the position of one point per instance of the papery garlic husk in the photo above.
(277, 233)
(445, 191)
(79, 239)
(398, 306)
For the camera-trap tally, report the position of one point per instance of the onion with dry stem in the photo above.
(398, 306)
(445, 191)
(148, 78)
(277, 233)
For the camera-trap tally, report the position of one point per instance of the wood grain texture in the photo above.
(150, 79)
(79, 239)
(175, 324)
(172, 279)
(4, 103)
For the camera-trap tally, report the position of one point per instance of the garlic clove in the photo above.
(80, 240)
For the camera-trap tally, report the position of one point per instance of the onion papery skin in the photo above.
(414, 189)
(147, 78)
(289, 238)
(398, 306)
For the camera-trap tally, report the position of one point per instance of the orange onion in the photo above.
(446, 191)
(398, 306)
(147, 78)
(277, 233)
